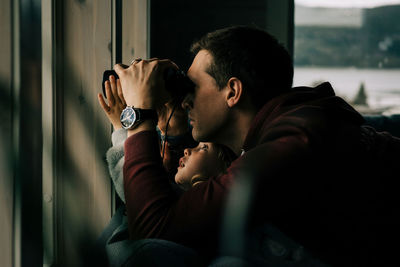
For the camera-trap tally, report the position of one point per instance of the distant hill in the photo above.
(331, 17)
(371, 39)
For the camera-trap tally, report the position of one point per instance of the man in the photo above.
(319, 176)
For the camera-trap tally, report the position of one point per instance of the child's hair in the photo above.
(225, 156)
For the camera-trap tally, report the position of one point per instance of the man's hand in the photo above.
(143, 83)
(116, 101)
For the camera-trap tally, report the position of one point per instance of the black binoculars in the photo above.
(176, 83)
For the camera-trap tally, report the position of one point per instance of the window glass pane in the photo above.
(355, 45)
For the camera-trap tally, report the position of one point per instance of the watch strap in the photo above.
(146, 114)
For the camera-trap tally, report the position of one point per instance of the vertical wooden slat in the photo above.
(48, 126)
(84, 186)
(135, 29)
(6, 178)
(16, 84)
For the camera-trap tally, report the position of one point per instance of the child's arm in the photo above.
(115, 154)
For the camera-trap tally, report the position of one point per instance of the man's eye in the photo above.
(204, 147)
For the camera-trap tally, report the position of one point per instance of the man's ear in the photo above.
(234, 91)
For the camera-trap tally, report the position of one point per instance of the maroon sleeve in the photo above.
(153, 208)
(194, 218)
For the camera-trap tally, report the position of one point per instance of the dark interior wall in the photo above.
(174, 25)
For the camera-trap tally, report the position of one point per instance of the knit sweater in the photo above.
(115, 160)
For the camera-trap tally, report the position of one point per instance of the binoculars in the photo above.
(176, 83)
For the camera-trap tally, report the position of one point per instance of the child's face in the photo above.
(201, 160)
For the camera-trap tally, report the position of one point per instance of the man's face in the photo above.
(207, 106)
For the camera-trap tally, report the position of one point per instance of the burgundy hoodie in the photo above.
(318, 175)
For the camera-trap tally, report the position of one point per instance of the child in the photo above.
(201, 162)
(197, 164)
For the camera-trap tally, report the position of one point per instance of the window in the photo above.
(355, 45)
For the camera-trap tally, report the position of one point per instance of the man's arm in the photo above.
(194, 218)
(154, 210)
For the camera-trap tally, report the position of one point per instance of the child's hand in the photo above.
(116, 101)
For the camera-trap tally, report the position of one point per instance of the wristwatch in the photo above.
(131, 117)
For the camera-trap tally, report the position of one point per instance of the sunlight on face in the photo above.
(206, 108)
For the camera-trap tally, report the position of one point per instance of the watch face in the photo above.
(128, 117)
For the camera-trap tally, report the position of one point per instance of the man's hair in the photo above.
(253, 56)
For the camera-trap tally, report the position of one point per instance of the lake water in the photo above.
(382, 86)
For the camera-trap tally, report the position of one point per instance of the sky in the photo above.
(347, 3)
